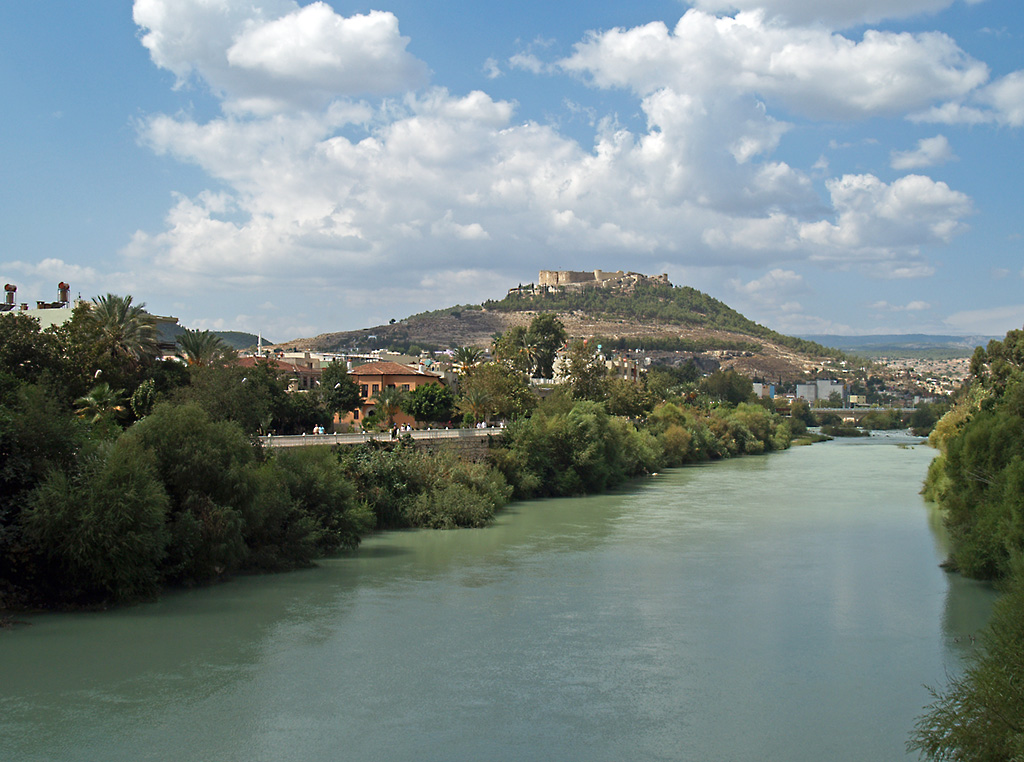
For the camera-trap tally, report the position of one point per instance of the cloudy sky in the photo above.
(823, 166)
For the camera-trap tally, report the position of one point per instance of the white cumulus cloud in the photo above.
(269, 56)
(320, 178)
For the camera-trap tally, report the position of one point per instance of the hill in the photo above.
(908, 345)
(670, 324)
(169, 333)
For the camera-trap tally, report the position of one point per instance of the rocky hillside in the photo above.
(669, 324)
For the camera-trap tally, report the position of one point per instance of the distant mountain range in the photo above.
(906, 344)
(169, 333)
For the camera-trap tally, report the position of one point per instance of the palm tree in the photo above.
(464, 358)
(476, 401)
(100, 402)
(203, 348)
(388, 403)
(126, 330)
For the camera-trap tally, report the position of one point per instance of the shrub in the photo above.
(101, 529)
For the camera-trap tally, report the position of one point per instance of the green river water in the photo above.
(787, 607)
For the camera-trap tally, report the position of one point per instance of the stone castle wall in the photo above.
(594, 278)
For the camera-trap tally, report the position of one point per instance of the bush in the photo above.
(315, 480)
(450, 506)
(102, 529)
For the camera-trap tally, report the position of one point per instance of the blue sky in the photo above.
(295, 168)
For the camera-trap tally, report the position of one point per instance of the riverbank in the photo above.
(179, 499)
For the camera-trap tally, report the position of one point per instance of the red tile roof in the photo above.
(387, 369)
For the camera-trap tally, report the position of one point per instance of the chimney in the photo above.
(11, 290)
(63, 293)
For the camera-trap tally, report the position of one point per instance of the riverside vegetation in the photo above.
(121, 475)
(978, 480)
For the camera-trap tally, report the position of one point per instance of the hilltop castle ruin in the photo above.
(579, 280)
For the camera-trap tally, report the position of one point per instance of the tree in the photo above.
(126, 330)
(586, 372)
(512, 348)
(337, 389)
(464, 358)
(256, 397)
(100, 403)
(103, 529)
(388, 403)
(26, 352)
(204, 348)
(507, 390)
(429, 402)
(628, 398)
(545, 337)
(477, 402)
(728, 386)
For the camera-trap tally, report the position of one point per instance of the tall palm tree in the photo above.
(126, 330)
(203, 348)
(388, 403)
(101, 402)
(464, 358)
(476, 401)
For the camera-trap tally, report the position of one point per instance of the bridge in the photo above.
(855, 414)
(423, 436)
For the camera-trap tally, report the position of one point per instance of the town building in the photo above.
(372, 377)
(822, 389)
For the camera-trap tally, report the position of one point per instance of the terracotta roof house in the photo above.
(374, 376)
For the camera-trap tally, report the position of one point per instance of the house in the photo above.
(371, 377)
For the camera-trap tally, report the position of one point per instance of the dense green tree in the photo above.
(26, 352)
(101, 530)
(429, 403)
(545, 337)
(512, 348)
(339, 392)
(728, 386)
(202, 464)
(256, 398)
(586, 372)
(316, 482)
(628, 398)
(496, 388)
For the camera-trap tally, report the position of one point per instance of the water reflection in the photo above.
(785, 607)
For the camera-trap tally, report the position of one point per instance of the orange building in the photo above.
(374, 376)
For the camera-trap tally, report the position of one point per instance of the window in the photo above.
(405, 387)
(363, 390)
(376, 388)
(355, 415)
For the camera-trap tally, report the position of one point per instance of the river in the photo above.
(786, 607)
